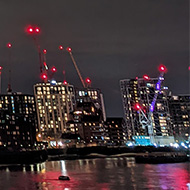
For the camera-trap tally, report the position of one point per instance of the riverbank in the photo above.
(23, 157)
(140, 154)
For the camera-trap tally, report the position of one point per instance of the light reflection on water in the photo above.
(95, 174)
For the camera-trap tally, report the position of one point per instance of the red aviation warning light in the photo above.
(146, 77)
(162, 68)
(1, 68)
(45, 51)
(44, 76)
(137, 106)
(37, 30)
(30, 30)
(53, 69)
(88, 81)
(9, 45)
(69, 49)
(61, 47)
(65, 82)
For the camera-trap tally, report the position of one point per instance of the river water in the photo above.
(96, 174)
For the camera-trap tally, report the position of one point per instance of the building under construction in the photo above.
(88, 116)
(142, 91)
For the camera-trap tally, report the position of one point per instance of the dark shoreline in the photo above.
(140, 154)
(23, 157)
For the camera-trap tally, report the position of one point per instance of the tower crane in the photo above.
(146, 120)
(88, 81)
(34, 31)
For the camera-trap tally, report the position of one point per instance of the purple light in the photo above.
(151, 108)
(157, 86)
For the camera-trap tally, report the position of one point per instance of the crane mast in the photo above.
(76, 67)
(146, 121)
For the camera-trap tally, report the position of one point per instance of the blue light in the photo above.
(53, 82)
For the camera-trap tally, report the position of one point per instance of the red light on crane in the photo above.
(137, 106)
(9, 45)
(53, 69)
(45, 51)
(189, 68)
(88, 81)
(65, 82)
(61, 47)
(69, 49)
(1, 68)
(44, 76)
(146, 77)
(37, 30)
(30, 30)
(162, 68)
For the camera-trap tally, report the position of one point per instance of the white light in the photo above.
(182, 144)
(175, 145)
(60, 143)
(53, 82)
(155, 144)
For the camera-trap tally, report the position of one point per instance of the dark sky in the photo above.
(111, 40)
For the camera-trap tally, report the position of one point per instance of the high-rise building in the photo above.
(91, 95)
(18, 121)
(116, 131)
(140, 91)
(54, 103)
(88, 116)
(180, 113)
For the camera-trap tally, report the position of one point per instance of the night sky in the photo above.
(111, 40)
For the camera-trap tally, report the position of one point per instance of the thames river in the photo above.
(96, 174)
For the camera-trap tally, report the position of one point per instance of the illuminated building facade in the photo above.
(18, 121)
(180, 113)
(54, 102)
(116, 130)
(141, 91)
(88, 116)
